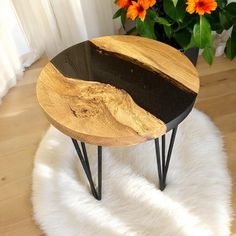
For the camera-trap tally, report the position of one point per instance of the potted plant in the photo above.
(183, 24)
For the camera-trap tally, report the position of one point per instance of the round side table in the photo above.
(118, 91)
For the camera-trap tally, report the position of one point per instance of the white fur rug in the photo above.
(196, 200)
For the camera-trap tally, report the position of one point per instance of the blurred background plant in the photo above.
(183, 24)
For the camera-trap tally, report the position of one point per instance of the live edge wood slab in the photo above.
(117, 90)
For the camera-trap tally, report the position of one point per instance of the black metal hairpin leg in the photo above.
(85, 164)
(163, 161)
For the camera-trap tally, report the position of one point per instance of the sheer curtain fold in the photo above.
(28, 28)
(11, 65)
(52, 25)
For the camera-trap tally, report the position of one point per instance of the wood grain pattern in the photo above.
(155, 55)
(153, 91)
(94, 112)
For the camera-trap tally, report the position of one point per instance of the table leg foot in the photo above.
(97, 193)
(163, 161)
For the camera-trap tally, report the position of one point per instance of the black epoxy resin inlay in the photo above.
(149, 90)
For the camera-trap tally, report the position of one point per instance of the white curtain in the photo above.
(13, 45)
(28, 28)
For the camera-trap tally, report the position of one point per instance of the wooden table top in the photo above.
(117, 90)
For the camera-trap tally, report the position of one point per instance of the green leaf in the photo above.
(117, 14)
(161, 21)
(214, 21)
(175, 2)
(152, 14)
(220, 4)
(187, 20)
(145, 28)
(202, 33)
(123, 16)
(208, 54)
(168, 31)
(183, 38)
(191, 44)
(226, 20)
(177, 12)
(230, 49)
(231, 9)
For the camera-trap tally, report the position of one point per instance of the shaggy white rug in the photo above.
(196, 200)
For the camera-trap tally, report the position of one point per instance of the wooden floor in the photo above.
(22, 125)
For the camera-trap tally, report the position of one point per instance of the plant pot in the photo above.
(192, 55)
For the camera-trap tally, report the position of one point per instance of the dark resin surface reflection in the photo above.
(156, 94)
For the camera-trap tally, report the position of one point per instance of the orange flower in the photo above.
(201, 6)
(139, 9)
(151, 2)
(123, 3)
